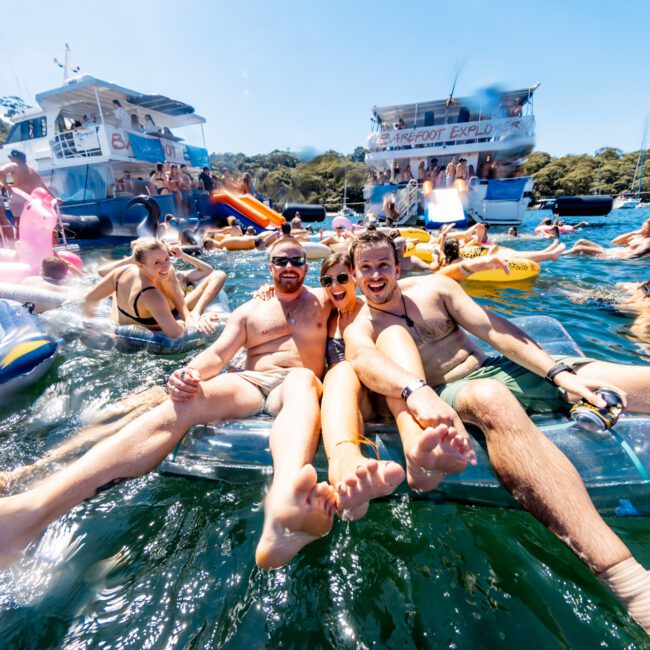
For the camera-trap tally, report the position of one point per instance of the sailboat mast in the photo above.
(643, 154)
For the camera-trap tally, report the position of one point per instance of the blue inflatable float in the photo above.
(615, 465)
(26, 352)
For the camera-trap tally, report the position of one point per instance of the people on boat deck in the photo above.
(24, 178)
(122, 119)
(150, 127)
(135, 124)
(205, 180)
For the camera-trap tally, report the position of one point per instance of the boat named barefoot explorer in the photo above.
(95, 144)
(453, 159)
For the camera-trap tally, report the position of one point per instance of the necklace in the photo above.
(407, 319)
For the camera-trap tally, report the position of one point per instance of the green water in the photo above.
(165, 562)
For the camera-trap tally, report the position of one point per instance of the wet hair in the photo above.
(250, 230)
(335, 258)
(231, 221)
(371, 239)
(394, 233)
(54, 268)
(285, 241)
(259, 243)
(555, 230)
(159, 167)
(371, 227)
(286, 228)
(548, 221)
(169, 217)
(451, 250)
(142, 246)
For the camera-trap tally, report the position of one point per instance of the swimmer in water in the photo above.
(629, 246)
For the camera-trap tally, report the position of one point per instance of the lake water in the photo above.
(167, 562)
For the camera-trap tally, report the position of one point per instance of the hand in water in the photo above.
(430, 411)
(578, 387)
(183, 384)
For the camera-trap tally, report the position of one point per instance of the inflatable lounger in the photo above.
(615, 466)
(101, 333)
(26, 352)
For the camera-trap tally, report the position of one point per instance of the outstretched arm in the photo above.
(184, 383)
(201, 269)
(103, 289)
(514, 343)
(105, 269)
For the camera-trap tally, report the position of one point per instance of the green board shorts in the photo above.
(534, 393)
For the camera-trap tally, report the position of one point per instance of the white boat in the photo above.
(631, 200)
(494, 140)
(75, 142)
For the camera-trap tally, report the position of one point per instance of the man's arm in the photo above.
(514, 343)
(184, 383)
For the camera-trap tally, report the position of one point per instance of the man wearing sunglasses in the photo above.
(284, 339)
(491, 393)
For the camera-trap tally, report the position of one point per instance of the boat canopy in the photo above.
(414, 113)
(80, 95)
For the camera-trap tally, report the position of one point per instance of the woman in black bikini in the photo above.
(145, 293)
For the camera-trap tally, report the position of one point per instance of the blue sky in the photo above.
(293, 74)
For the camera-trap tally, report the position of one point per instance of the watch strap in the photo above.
(409, 389)
(556, 370)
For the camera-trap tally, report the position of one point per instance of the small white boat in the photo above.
(631, 200)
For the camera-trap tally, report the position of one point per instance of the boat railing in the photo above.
(480, 131)
(115, 143)
(77, 143)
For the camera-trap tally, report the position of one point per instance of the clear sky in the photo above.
(305, 73)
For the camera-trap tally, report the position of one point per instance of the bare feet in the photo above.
(294, 516)
(361, 480)
(437, 452)
(556, 249)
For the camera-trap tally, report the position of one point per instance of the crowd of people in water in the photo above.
(383, 336)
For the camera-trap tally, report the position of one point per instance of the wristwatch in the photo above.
(556, 370)
(409, 389)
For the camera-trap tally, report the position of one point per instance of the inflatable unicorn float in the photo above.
(37, 222)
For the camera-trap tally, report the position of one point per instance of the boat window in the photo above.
(28, 130)
(81, 183)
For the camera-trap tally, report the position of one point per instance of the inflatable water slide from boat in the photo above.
(246, 208)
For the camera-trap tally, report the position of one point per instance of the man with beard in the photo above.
(491, 393)
(284, 340)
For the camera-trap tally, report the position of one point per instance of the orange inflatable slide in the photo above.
(249, 207)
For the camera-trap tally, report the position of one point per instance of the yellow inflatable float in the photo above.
(415, 233)
(520, 269)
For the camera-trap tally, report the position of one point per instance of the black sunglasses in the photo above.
(328, 280)
(298, 260)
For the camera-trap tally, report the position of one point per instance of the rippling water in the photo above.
(165, 562)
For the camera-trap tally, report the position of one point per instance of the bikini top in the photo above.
(147, 322)
(334, 350)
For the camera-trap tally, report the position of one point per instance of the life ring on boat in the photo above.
(342, 221)
(148, 226)
(520, 269)
(415, 233)
(26, 351)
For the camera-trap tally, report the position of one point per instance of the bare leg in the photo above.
(552, 252)
(540, 477)
(206, 292)
(430, 453)
(116, 417)
(135, 450)
(297, 509)
(356, 478)
(587, 247)
(7, 234)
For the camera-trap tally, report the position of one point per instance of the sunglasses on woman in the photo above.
(328, 280)
(283, 260)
